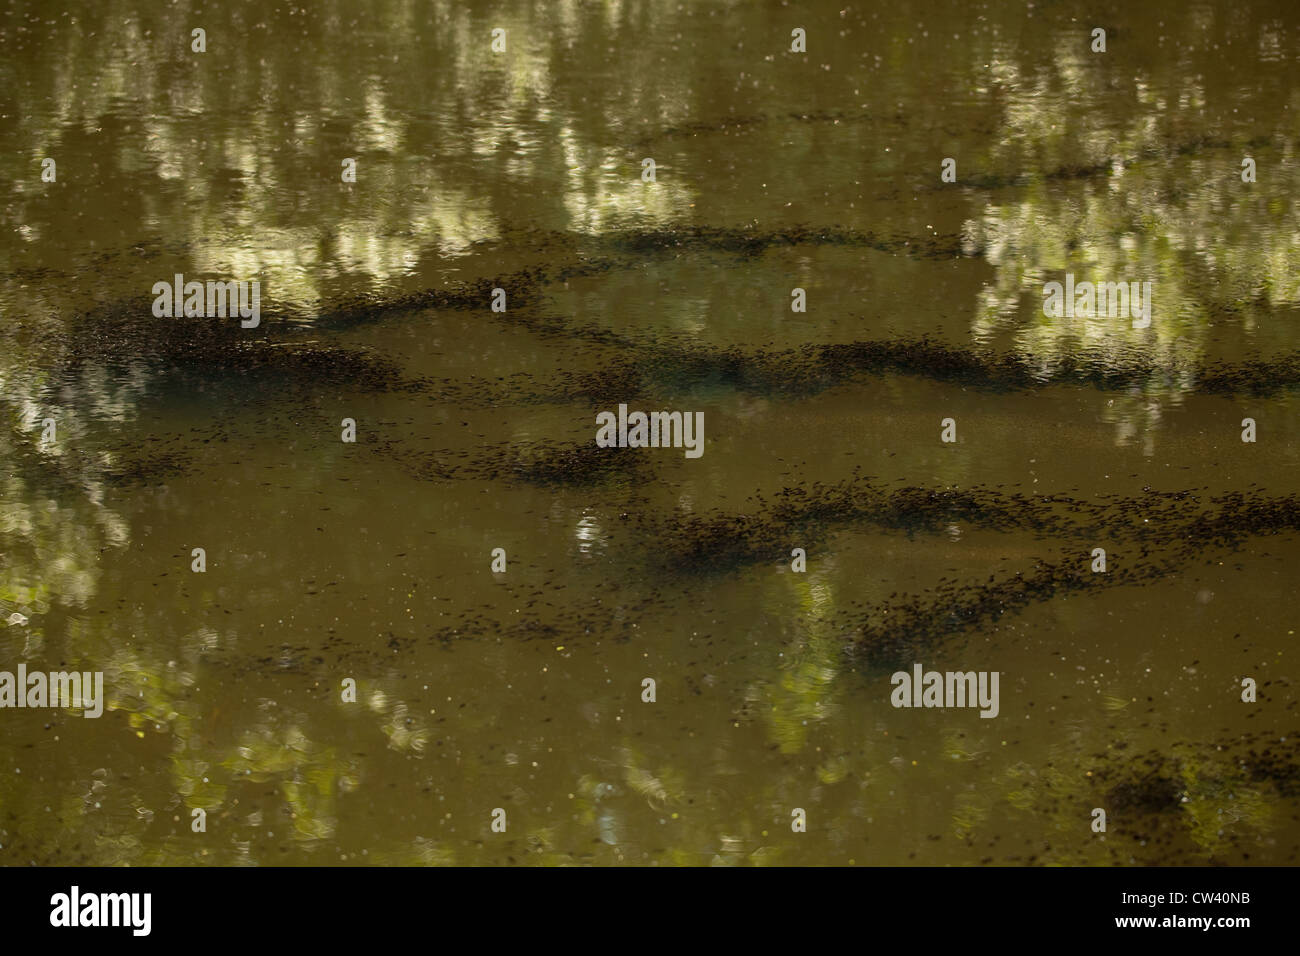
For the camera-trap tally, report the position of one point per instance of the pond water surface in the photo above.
(523, 690)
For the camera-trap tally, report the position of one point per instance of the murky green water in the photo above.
(475, 430)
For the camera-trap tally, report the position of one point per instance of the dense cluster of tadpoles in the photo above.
(1224, 782)
(1147, 537)
(1189, 802)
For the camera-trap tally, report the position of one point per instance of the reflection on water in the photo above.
(524, 690)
